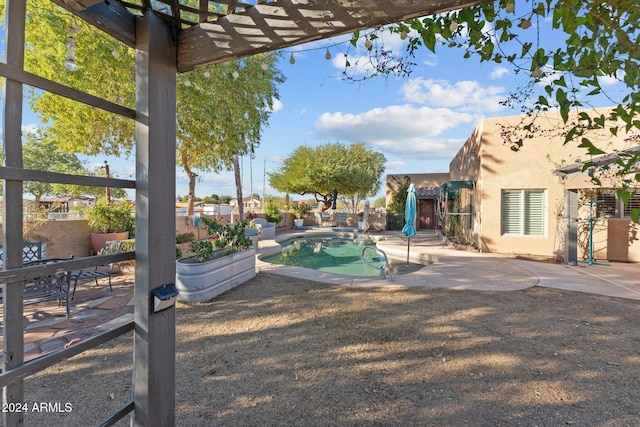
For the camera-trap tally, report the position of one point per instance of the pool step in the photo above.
(385, 269)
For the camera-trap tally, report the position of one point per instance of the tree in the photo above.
(380, 202)
(399, 196)
(220, 109)
(353, 170)
(221, 112)
(592, 41)
(38, 154)
(100, 192)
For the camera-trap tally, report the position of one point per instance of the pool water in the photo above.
(336, 255)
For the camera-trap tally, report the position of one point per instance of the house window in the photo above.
(633, 203)
(607, 205)
(523, 212)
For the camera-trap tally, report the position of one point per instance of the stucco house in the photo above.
(510, 199)
(427, 185)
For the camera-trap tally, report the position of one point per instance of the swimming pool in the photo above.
(335, 255)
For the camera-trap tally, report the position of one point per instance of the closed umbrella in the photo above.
(409, 228)
(365, 217)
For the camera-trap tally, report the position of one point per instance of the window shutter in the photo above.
(633, 203)
(511, 212)
(534, 213)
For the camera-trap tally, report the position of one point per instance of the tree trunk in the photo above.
(192, 193)
(236, 171)
(192, 181)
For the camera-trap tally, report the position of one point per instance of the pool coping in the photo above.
(458, 269)
(272, 247)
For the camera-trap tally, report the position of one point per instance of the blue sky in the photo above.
(418, 122)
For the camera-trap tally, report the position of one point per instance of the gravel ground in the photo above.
(281, 351)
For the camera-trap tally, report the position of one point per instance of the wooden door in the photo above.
(427, 212)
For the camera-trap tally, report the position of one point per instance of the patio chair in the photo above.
(112, 247)
(48, 286)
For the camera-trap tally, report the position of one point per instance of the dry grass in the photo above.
(281, 351)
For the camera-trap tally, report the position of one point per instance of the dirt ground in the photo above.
(281, 351)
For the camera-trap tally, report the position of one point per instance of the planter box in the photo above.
(202, 281)
(298, 222)
(252, 233)
(269, 231)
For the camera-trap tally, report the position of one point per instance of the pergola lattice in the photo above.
(215, 31)
(169, 37)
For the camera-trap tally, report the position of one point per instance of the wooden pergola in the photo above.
(169, 37)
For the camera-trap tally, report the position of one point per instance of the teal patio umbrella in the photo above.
(409, 228)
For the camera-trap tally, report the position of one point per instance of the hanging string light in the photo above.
(70, 61)
(116, 53)
(368, 44)
(264, 66)
(235, 75)
(206, 74)
(187, 82)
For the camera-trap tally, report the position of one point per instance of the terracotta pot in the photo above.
(98, 240)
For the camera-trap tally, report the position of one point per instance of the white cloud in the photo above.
(30, 129)
(431, 60)
(278, 160)
(420, 148)
(499, 72)
(610, 81)
(359, 65)
(403, 131)
(394, 165)
(466, 95)
(277, 105)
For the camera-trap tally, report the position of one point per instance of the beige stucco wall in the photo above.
(420, 180)
(614, 239)
(488, 160)
(64, 238)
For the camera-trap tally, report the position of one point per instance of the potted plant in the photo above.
(219, 263)
(111, 221)
(300, 210)
(273, 213)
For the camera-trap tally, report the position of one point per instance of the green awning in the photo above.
(452, 188)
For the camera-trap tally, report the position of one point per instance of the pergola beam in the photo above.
(276, 25)
(109, 16)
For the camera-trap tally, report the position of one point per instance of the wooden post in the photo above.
(13, 345)
(154, 338)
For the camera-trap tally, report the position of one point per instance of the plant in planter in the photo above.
(272, 212)
(111, 221)
(221, 262)
(300, 210)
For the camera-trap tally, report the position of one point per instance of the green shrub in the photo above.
(272, 212)
(113, 217)
(185, 238)
(225, 238)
